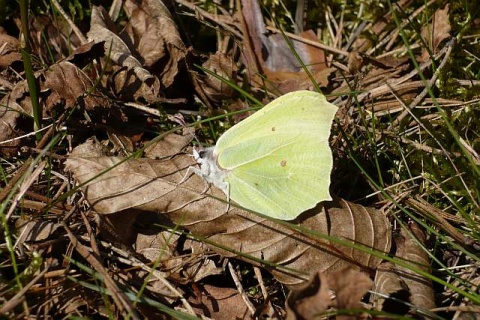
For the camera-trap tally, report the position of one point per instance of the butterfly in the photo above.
(278, 161)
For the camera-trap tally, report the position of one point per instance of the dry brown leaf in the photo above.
(280, 57)
(161, 245)
(420, 288)
(115, 46)
(388, 282)
(67, 96)
(86, 53)
(220, 303)
(285, 82)
(90, 148)
(436, 31)
(10, 52)
(130, 81)
(350, 286)
(14, 122)
(35, 230)
(401, 283)
(311, 299)
(156, 38)
(169, 145)
(155, 186)
(221, 65)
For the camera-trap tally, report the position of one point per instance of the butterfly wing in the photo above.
(279, 160)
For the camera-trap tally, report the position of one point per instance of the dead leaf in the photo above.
(350, 286)
(156, 186)
(160, 245)
(420, 288)
(220, 303)
(389, 283)
(90, 148)
(86, 53)
(170, 145)
(16, 107)
(436, 31)
(156, 38)
(79, 86)
(115, 47)
(35, 230)
(309, 302)
(313, 298)
(14, 122)
(224, 68)
(131, 81)
(401, 283)
(10, 53)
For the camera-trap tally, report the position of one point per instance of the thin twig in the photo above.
(19, 297)
(430, 84)
(72, 25)
(211, 17)
(391, 35)
(18, 175)
(258, 275)
(128, 259)
(310, 42)
(240, 288)
(121, 301)
(24, 187)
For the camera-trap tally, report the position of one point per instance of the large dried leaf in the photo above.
(420, 288)
(115, 46)
(350, 286)
(35, 230)
(389, 283)
(155, 36)
(272, 51)
(79, 86)
(220, 303)
(313, 299)
(402, 283)
(310, 299)
(12, 126)
(115, 185)
(215, 88)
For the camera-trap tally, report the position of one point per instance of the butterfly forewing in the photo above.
(279, 160)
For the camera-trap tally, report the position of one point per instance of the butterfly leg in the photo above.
(187, 174)
(227, 193)
(198, 172)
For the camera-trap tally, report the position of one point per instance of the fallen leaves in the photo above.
(112, 185)
(342, 290)
(138, 77)
(400, 282)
